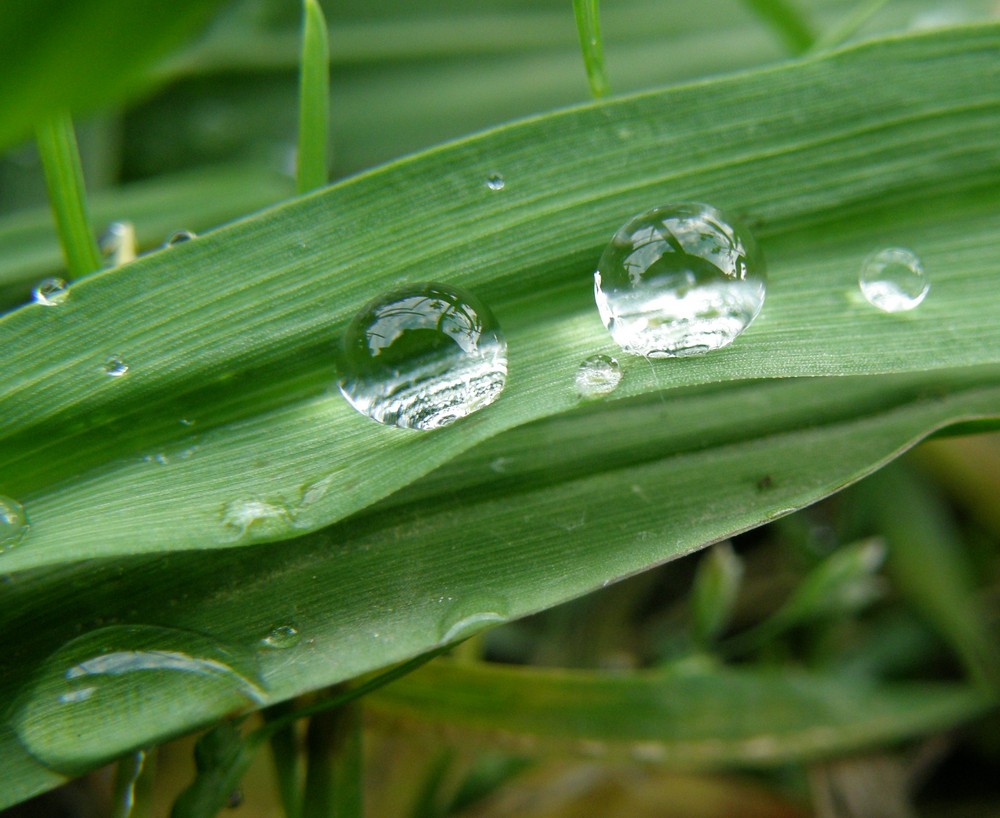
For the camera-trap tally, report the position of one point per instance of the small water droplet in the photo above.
(495, 182)
(255, 519)
(422, 357)
(79, 710)
(598, 375)
(13, 523)
(679, 280)
(118, 243)
(115, 366)
(281, 637)
(50, 292)
(179, 237)
(467, 617)
(893, 280)
(186, 422)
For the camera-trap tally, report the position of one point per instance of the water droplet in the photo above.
(679, 280)
(495, 181)
(423, 357)
(281, 637)
(13, 523)
(118, 243)
(50, 292)
(467, 617)
(179, 237)
(83, 707)
(115, 366)
(893, 280)
(255, 519)
(598, 375)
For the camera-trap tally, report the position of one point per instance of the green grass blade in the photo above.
(409, 575)
(243, 346)
(849, 26)
(284, 745)
(588, 24)
(333, 775)
(787, 21)
(67, 194)
(314, 99)
(928, 564)
(704, 718)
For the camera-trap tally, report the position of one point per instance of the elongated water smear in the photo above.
(121, 687)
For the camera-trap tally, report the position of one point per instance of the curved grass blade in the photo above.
(314, 99)
(685, 719)
(396, 582)
(235, 332)
(64, 177)
(588, 24)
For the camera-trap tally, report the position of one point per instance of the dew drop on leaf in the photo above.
(466, 617)
(179, 237)
(423, 357)
(495, 182)
(13, 523)
(117, 688)
(281, 637)
(893, 280)
(598, 375)
(115, 366)
(50, 292)
(681, 279)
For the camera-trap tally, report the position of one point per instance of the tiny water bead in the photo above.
(115, 366)
(598, 375)
(678, 280)
(118, 243)
(179, 237)
(281, 637)
(893, 280)
(50, 292)
(423, 357)
(83, 707)
(13, 523)
(495, 182)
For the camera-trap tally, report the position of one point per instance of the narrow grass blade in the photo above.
(334, 768)
(787, 21)
(67, 195)
(314, 99)
(686, 719)
(928, 565)
(588, 23)
(850, 25)
(716, 587)
(285, 753)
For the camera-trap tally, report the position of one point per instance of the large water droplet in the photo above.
(179, 237)
(495, 182)
(598, 375)
(893, 280)
(423, 357)
(469, 616)
(50, 292)
(13, 523)
(118, 688)
(115, 366)
(281, 637)
(679, 280)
